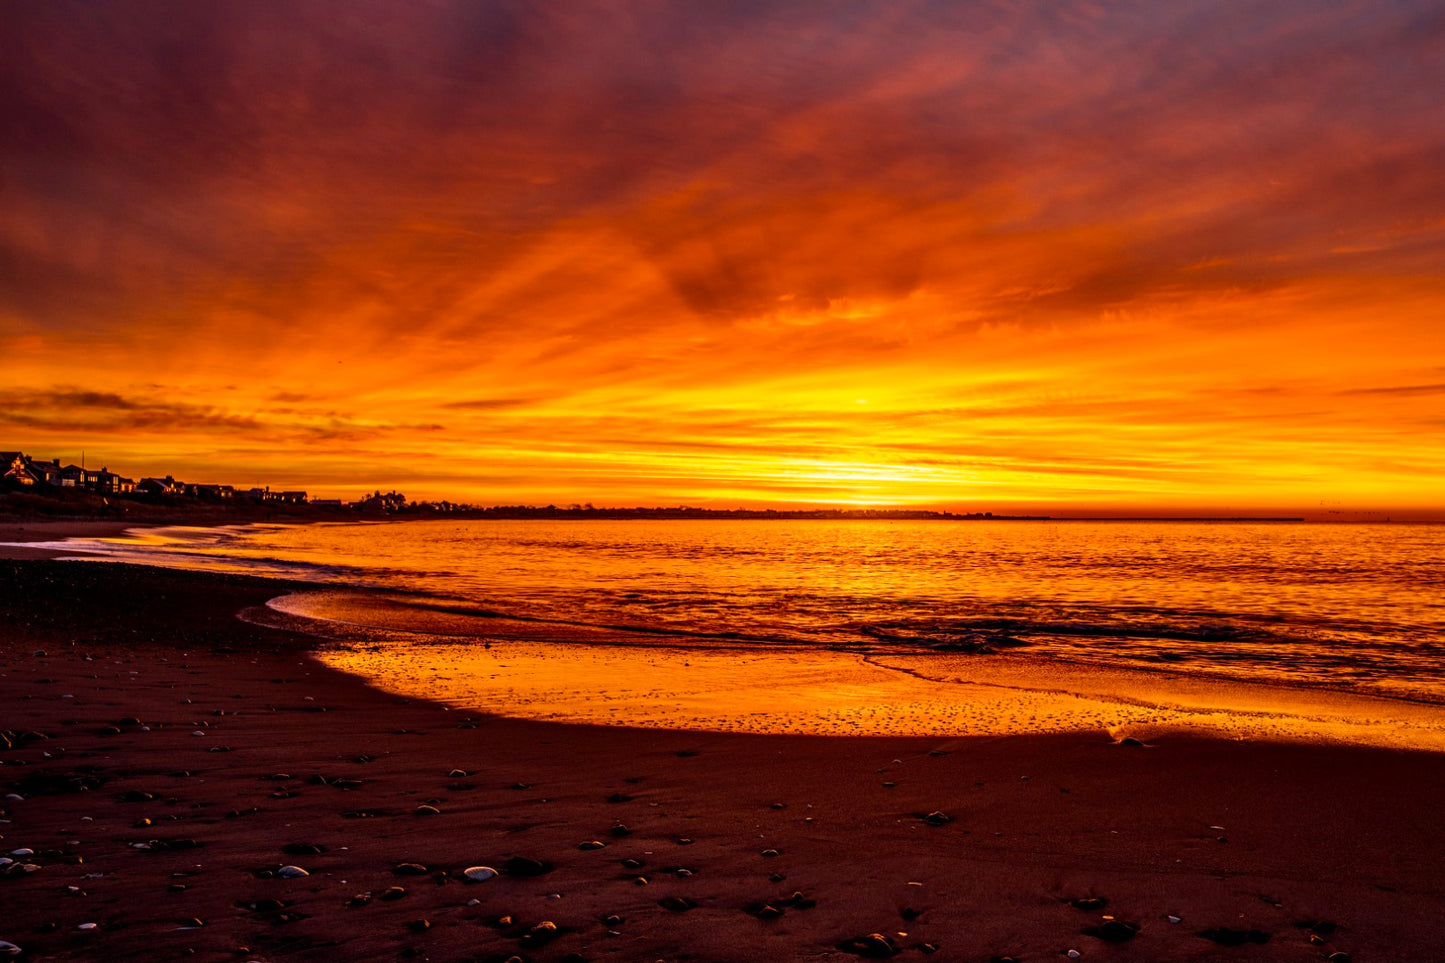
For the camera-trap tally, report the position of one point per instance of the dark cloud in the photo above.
(1402, 391)
(489, 404)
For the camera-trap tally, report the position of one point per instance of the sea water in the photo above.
(1261, 609)
(1336, 605)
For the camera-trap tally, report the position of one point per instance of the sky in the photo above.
(1072, 257)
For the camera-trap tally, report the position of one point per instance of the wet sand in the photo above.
(21, 531)
(562, 672)
(1283, 851)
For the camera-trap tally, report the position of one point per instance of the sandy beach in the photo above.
(164, 761)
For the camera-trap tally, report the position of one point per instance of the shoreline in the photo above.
(1241, 841)
(617, 672)
(571, 672)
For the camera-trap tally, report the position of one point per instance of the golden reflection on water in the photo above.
(534, 672)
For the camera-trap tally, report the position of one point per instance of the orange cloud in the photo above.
(1132, 257)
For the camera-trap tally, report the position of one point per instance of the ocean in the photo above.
(1335, 606)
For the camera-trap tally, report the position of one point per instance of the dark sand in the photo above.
(1250, 842)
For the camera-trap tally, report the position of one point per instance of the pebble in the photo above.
(10, 949)
(426, 810)
(87, 927)
(418, 926)
(544, 932)
(1073, 954)
(677, 904)
(291, 872)
(479, 874)
(458, 774)
(1228, 937)
(1089, 903)
(768, 853)
(936, 818)
(1117, 931)
(619, 831)
(393, 893)
(525, 866)
(409, 869)
(874, 946)
(592, 844)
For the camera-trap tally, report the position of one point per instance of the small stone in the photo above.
(10, 949)
(677, 904)
(769, 853)
(1174, 919)
(619, 831)
(427, 810)
(87, 927)
(874, 946)
(1089, 903)
(479, 874)
(1073, 954)
(392, 893)
(768, 912)
(1228, 937)
(592, 844)
(410, 869)
(618, 797)
(525, 867)
(360, 899)
(291, 872)
(458, 774)
(631, 863)
(1117, 931)
(937, 818)
(418, 926)
(544, 932)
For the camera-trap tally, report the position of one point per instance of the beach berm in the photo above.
(181, 784)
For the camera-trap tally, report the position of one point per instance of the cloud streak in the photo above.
(476, 234)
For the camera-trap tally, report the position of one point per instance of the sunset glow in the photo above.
(1060, 257)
